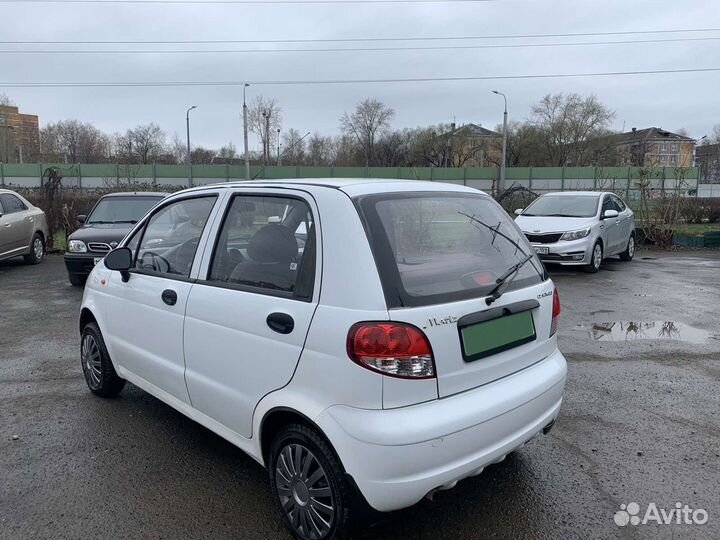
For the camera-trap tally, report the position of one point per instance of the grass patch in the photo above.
(59, 241)
(692, 229)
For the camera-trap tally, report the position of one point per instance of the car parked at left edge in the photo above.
(23, 228)
(102, 230)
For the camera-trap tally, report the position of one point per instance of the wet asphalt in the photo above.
(640, 423)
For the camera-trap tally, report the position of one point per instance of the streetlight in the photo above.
(504, 146)
(189, 158)
(278, 153)
(245, 135)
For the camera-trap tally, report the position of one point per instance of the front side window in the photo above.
(171, 237)
(619, 204)
(119, 209)
(266, 243)
(11, 204)
(437, 247)
(563, 206)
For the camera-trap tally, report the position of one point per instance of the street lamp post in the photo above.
(245, 135)
(501, 184)
(189, 157)
(278, 148)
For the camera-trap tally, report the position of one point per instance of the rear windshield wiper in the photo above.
(496, 230)
(504, 281)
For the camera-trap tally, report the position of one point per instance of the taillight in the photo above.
(555, 313)
(395, 349)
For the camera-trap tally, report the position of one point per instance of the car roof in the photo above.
(351, 186)
(577, 193)
(137, 194)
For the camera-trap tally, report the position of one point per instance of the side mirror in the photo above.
(81, 218)
(518, 211)
(120, 259)
(610, 214)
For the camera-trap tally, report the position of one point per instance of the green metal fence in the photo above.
(538, 179)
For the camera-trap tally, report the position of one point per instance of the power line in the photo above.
(359, 40)
(147, 84)
(266, 2)
(356, 49)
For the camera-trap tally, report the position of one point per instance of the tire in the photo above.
(76, 280)
(97, 367)
(629, 252)
(37, 250)
(325, 515)
(596, 258)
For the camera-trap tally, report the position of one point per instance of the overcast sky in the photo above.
(670, 101)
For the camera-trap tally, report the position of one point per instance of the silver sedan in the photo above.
(23, 228)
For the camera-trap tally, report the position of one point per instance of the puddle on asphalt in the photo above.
(636, 330)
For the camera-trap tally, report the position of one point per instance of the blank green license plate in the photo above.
(491, 337)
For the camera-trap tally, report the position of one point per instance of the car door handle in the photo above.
(8, 225)
(282, 323)
(169, 297)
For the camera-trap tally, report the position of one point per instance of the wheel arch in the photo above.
(86, 317)
(275, 419)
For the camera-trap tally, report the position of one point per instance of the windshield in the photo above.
(563, 206)
(121, 209)
(437, 247)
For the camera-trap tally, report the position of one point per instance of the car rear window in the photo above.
(435, 247)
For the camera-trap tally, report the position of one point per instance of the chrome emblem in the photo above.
(113, 245)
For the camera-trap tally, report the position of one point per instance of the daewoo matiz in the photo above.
(368, 342)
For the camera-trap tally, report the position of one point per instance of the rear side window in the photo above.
(11, 204)
(437, 247)
(619, 203)
(266, 245)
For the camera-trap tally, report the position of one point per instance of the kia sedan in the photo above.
(579, 228)
(23, 228)
(108, 222)
(367, 342)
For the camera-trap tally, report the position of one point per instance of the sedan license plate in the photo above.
(540, 250)
(497, 335)
(97, 260)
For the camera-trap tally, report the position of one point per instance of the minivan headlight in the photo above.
(77, 246)
(575, 235)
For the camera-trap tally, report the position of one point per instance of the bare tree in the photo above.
(202, 156)
(264, 118)
(570, 125)
(6, 101)
(370, 119)
(228, 152)
(442, 146)
(178, 149)
(144, 144)
(293, 152)
(75, 142)
(320, 150)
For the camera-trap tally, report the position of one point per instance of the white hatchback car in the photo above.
(579, 228)
(368, 342)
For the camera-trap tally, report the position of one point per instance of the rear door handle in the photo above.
(169, 297)
(282, 323)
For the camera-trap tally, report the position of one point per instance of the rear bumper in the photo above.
(397, 456)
